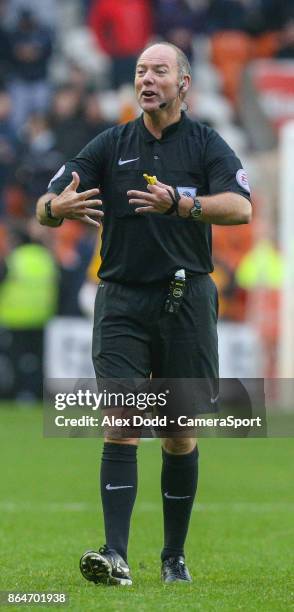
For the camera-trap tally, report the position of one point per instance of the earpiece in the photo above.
(180, 86)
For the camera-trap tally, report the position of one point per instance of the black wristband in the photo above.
(175, 205)
(49, 214)
(48, 210)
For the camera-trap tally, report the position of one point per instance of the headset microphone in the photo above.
(164, 104)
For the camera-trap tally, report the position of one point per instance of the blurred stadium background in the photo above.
(66, 74)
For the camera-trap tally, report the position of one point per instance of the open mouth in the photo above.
(148, 95)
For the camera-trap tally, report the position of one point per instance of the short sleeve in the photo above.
(223, 168)
(88, 164)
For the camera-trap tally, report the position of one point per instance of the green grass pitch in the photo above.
(240, 546)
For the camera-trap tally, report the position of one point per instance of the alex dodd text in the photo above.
(140, 421)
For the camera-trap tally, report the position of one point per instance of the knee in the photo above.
(178, 446)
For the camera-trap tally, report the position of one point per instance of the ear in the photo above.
(185, 84)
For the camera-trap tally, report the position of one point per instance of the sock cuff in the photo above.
(126, 453)
(180, 460)
(171, 552)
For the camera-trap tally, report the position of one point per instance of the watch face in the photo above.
(196, 210)
(195, 213)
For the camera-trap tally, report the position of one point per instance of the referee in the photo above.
(151, 231)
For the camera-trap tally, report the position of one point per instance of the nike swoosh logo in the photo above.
(175, 497)
(110, 488)
(126, 161)
(214, 399)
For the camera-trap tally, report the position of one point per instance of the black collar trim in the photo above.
(170, 130)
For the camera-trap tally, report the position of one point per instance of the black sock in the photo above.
(118, 483)
(178, 485)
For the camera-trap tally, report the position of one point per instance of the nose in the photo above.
(148, 77)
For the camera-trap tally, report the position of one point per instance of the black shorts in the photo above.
(134, 337)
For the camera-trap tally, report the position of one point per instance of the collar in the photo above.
(170, 131)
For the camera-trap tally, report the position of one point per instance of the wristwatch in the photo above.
(196, 210)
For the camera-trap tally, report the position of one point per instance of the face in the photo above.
(157, 77)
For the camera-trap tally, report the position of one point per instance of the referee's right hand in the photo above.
(72, 205)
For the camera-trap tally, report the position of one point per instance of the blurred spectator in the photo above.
(8, 145)
(122, 30)
(252, 16)
(31, 48)
(177, 21)
(261, 273)
(5, 51)
(232, 298)
(227, 15)
(95, 123)
(78, 78)
(86, 5)
(3, 251)
(264, 15)
(286, 46)
(259, 16)
(73, 250)
(3, 269)
(67, 120)
(28, 298)
(45, 11)
(228, 250)
(272, 14)
(88, 289)
(39, 157)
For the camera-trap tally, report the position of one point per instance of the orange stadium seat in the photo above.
(265, 45)
(230, 46)
(230, 52)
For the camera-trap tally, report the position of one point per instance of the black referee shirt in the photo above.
(151, 247)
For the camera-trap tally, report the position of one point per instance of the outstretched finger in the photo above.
(74, 183)
(96, 213)
(132, 193)
(82, 204)
(144, 209)
(89, 221)
(84, 195)
(139, 201)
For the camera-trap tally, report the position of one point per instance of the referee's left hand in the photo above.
(156, 200)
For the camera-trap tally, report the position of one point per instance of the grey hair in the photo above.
(184, 65)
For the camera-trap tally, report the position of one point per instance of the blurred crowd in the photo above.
(66, 70)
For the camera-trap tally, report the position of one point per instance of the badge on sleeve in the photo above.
(242, 179)
(57, 175)
(189, 192)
